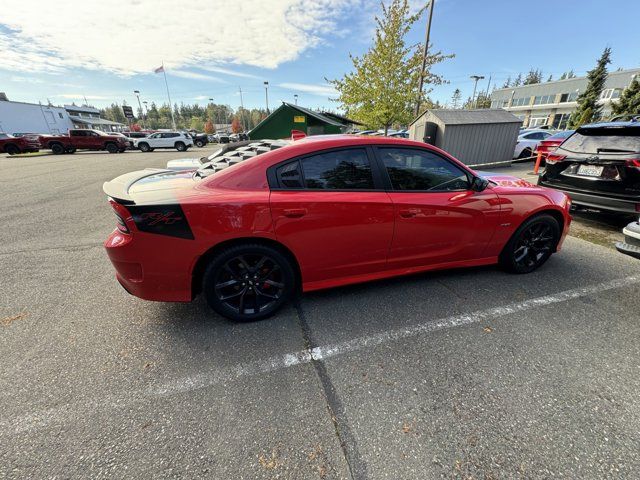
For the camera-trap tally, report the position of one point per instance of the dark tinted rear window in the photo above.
(604, 140)
(338, 170)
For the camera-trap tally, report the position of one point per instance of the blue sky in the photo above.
(213, 48)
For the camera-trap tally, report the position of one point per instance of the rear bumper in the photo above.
(631, 244)
(597, 201)
(145, 275)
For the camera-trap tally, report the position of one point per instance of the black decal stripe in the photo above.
(161, 219)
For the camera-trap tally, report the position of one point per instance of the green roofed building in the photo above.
(288, 117)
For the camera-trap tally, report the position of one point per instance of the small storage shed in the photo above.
(288, 117)
(472, 136)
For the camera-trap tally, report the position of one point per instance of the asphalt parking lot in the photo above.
(459, 374)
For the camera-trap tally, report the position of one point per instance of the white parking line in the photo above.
(37, 420)
(360, 343)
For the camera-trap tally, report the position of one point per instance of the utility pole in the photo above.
(242, 110)
(424, 57)
(266, 94)
(476, 78)
(295, 98)
(137, 92)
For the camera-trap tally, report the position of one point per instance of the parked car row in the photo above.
(88, 139)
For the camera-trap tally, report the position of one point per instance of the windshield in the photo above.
(604, 140)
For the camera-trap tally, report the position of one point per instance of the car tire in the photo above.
(199, 143)
(525, 153)
(57, 148)
(144, 147)
(180, 146)
(70, 150)
(531, 245)
(112, 148)
(12, 149)
(248, 282)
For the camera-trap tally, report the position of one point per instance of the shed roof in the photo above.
(316, 115)
(341, 118)
(468, 117)
(93, 121)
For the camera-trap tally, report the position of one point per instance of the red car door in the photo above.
(438, 217)
(330, 209)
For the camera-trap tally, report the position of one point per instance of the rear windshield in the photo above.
(604, 140)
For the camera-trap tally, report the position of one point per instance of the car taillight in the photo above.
(555, 158)
(122, 226)
(633, 163)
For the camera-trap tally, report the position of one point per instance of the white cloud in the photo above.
(226, 71)
(319, 90)
(80, 96)
(129, 37)
(18, 79)
(194, 76)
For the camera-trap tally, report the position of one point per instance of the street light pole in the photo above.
(476, 78)
(266, 94)
(137, 92)
(424, 57)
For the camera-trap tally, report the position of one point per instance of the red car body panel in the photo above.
(336, 237)
(23, 144)
(97, 142)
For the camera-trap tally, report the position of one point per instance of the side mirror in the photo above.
(478, 184)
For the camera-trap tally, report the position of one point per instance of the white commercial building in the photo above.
(21, 117)
(551, 103)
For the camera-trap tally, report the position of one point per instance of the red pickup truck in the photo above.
(84, 139)
(13, 145)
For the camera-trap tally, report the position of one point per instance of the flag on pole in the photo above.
(159, 69)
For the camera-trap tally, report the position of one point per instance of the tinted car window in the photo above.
(289, 175)
(535, 136)
(421, 170)
(338, 170)
(605, 140)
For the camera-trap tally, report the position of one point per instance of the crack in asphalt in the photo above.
(348, 444)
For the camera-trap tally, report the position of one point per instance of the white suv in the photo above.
(179, 141)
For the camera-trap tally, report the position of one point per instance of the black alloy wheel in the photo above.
(12, 149)
(248, 282)
(526, 153)
(112, 148)
(57, 148)
(532, 244)
(199, 143)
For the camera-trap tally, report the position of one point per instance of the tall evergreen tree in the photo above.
(550, 79)
(518, 81)
(629, 101)
(534, 76)
(382, 88)
(455, 98)
(507, 83)
(589, 110)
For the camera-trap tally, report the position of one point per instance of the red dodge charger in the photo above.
(253, 229)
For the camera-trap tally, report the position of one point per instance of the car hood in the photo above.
(149, 186)
(506, 180)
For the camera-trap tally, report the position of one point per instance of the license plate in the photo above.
(590, 170)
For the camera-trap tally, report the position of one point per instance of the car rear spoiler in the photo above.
(118, 188)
